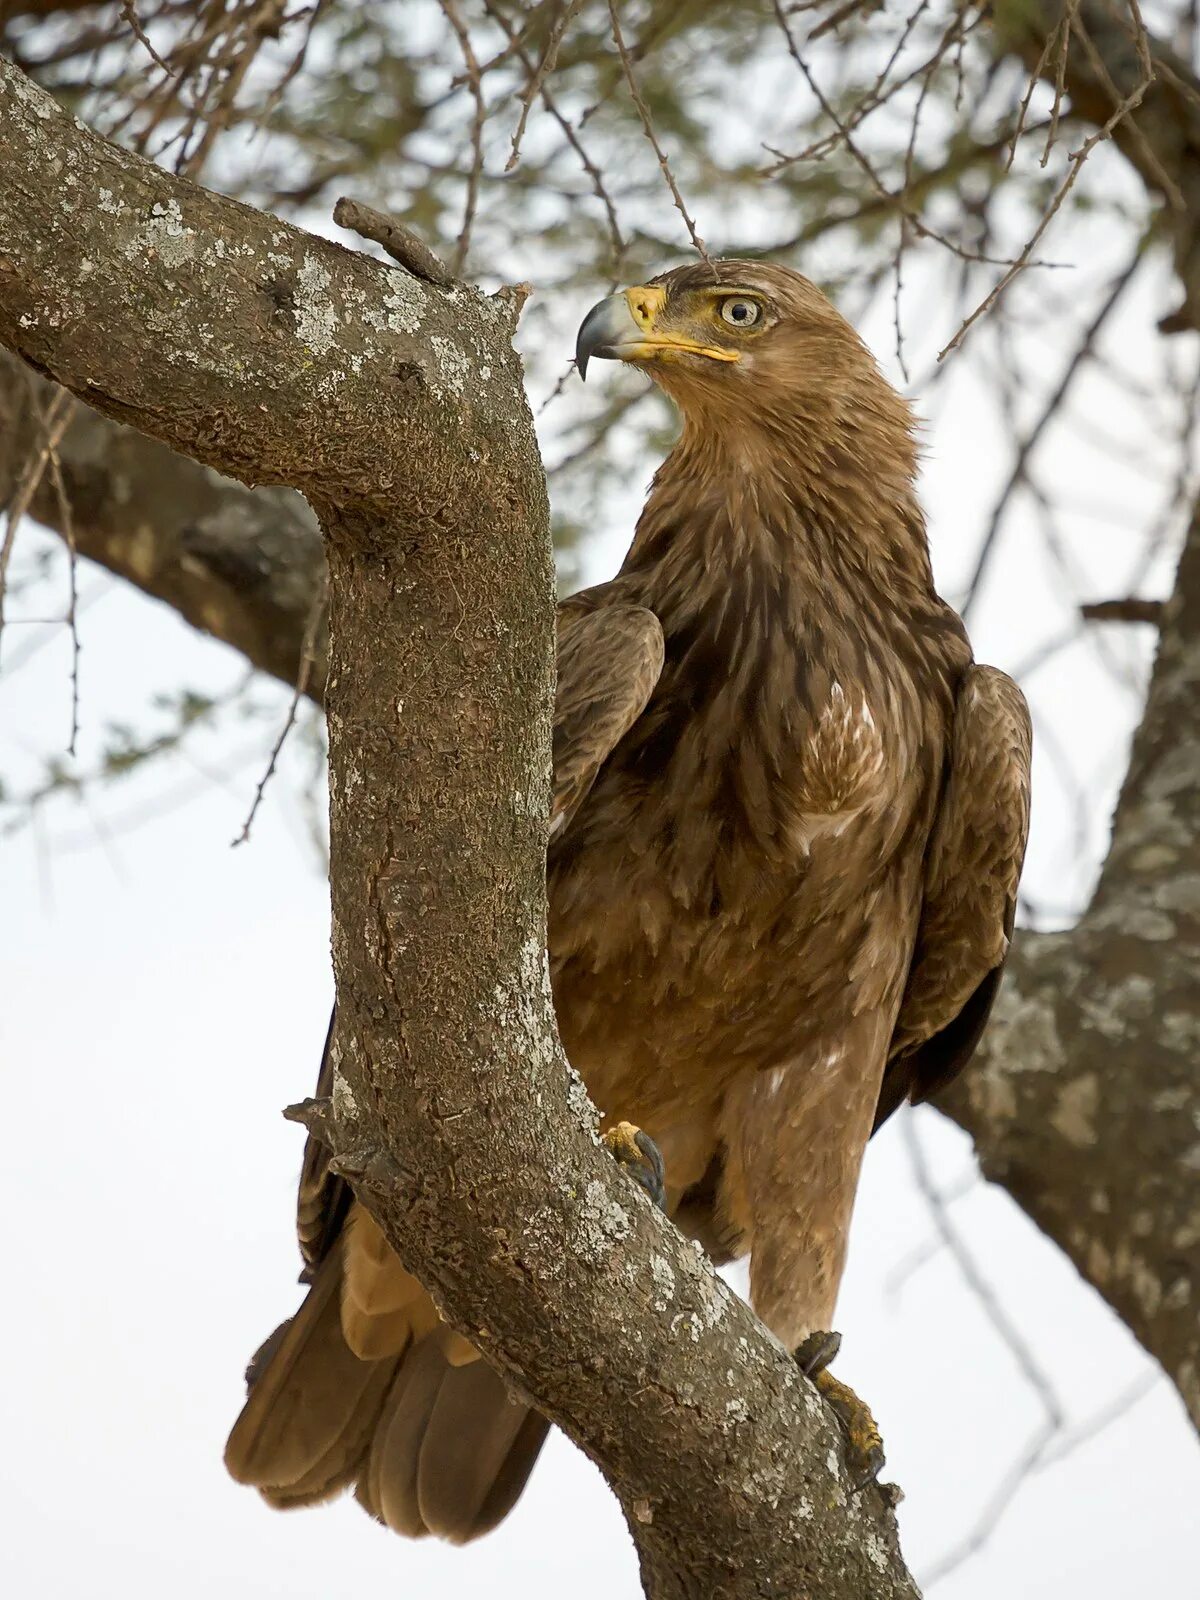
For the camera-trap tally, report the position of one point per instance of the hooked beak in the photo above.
(621, 328)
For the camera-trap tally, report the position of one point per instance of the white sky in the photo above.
(166, 995)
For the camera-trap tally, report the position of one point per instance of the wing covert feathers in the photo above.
(609, 659)
(972, 868)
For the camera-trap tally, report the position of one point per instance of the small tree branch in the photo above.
(413, 254)
(1129, 609)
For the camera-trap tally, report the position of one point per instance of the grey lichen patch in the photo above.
(1114, 1007)
(1024, 1038)
(1074, 1114)
(345, 1107)
(604, 1223)
(1181, 892)
(164, 235)
(316, 317)
(580, 1102)
(523, 1006)
(398, 310)
(452, 369)
(1178, 772)
(664, 1282)
(24, 90)
(1181, 1032)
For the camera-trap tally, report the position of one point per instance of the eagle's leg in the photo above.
(864, 1443)
(794, 1135)
(637, 1154)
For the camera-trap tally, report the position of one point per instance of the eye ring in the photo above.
(740, 312)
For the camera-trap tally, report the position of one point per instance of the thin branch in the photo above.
(308, 653)
(471, 200)
(647, 122)
(538, 76)
(1033, 436)
(55, 420)
(400, 242)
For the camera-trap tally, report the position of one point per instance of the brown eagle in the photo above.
(788, 820)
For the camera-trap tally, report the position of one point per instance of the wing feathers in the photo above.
(972, 868)
(609, 659)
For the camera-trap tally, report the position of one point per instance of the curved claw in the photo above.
(864, 1443)
(638, 1155)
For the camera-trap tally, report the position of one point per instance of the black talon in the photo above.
(864, 1447)
(637, 1154)
(817, 1351)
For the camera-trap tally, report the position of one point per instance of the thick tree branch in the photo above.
(399, 409)
(240, 564)
(1086, 1103)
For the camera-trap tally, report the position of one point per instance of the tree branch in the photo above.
(240, 564)
(1085, 1103)
(399, 409)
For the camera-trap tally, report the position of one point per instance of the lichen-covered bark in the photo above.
(399, 410)
(1086, 1102)
(241, 564)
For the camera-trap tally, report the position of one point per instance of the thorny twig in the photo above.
(538, 76)
(308, 655)
(593, 172)
(55, 420)
(1029, 442)
(1121, 110)
(647, 122)
(475, 83)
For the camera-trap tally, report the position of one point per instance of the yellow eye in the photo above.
(740, 312)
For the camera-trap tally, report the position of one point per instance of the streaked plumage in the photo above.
(787, 826)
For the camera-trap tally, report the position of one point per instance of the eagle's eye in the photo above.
(740, 312)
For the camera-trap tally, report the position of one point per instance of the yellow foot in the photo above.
(864, 1444)
(637, 1154)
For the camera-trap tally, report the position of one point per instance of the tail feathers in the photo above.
(427, 1431)
(452, 1451)
(310, 1412)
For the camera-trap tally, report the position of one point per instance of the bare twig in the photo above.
(1029, 442)
(475, 82)
(538, 76)
(68, 533)
(594, 174)
(129, 11)
(308, 655)
(1130, 609)
(1121, 110)
(54, 424)
(400, 242)
(647, 122)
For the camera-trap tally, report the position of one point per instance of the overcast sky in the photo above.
(165, 995)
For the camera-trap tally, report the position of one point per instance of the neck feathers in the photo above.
(829, 484)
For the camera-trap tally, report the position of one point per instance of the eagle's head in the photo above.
(740, 341)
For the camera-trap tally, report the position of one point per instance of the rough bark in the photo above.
(398, 408)
(243, 565)
(1085, 1103)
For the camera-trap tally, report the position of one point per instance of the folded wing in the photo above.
(971, 872)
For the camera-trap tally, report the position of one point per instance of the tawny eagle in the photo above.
(788, 820)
